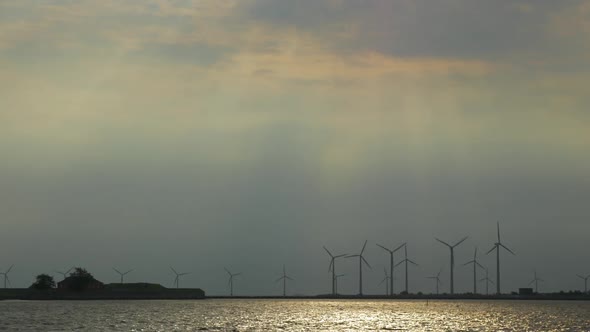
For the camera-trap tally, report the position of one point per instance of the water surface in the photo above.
(296, 315)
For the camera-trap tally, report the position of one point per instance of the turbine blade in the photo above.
(499, 232)
(351, 256)
(579, 276)
(128, 271)
(364, 245)
(226, 270)
(328, 251)
(398, 248)
(470, 262)
(481, 266)
(117, 271)
(281, 278)
(382, 247)
(463, 240)
(503, 246)
(411, 261)
(173, 270)
(10, 268)
(364, 260)
(489, 251)
(340, 256)
(443, 242)
(331, 265)
(399, 263)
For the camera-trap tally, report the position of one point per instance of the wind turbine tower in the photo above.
(436, 279)
(585, 282)
(536, 282)
(452, 248)
(336, 277)
(386, 281)
(122, 274)
(284, 279)
(406, 261)
(496, 247)
(475, 266)
(361, 261)
(488, 281)
(332, 268)
(231, 281)
(391, 265)
(5, 274)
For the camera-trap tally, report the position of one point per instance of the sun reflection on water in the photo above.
(295, 315)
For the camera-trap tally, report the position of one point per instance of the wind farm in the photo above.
(396, 259)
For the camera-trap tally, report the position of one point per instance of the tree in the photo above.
(43, 282)
(80, 279)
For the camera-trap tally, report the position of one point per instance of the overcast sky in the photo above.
(249, 133)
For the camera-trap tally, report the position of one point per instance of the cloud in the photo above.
(416, 28)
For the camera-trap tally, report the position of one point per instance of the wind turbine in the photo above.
(488, 281)
(436, 279)
(475, 265)
(178, 275)
(361, 260)
(336, 280)
(332, 268)
(231, 281)
(284, 279)
(122, 274)
(536, 282)
(385, 280)
(65, 274)
(406, 261)
(391, 265)
(5, 274)
(452, 248)
(585, 282)
(496, 247)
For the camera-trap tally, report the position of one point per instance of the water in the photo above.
(296, 315)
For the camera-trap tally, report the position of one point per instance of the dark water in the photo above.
(295, 315)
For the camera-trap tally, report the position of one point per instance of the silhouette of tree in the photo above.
(80, 279)
(43, 281)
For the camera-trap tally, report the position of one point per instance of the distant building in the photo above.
(525, 291)
(67, 284)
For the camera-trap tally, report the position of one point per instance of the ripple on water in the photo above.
(300, 315)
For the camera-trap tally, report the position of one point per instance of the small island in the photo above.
(81, 285)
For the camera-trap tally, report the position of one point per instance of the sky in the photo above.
(247, 134)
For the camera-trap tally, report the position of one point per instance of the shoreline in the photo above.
(198, 294)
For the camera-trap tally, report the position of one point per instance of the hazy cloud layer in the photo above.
(248, 134)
